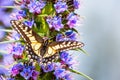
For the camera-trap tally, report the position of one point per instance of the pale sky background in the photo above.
(101, 35)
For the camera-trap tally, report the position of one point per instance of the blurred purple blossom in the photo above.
(69, 35)
(59, 73)
(2, 33)
(72, 20)
(55, 23)
(17, 51)
(36, 6)
(4, 71)
(48, 68)
(66, 59)
(8, 59)
(76, 4)
(19, 15)
(5, 18)
(16, 69)
(6, 3)
(13, 36)
(60, 6)
(68, 77)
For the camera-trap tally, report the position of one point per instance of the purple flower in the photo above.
(21, 14)
(59, 73)
(18, 15)
(66, 59)
(69, 35)
(76, 4)
(35, 74)
(67, 77)
(29, 72)
(36, 6)
(16, 69)
(17, 50)
(29, 23)
(60, 6)
(55, 23)
(72, 20)
(48, 68)
(26, 73)
(60, 37)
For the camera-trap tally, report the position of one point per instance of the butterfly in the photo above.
(39, 48)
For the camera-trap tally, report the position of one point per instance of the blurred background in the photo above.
(100, 32)
(101, 35)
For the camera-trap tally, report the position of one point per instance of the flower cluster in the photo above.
(54, 19)
(27, 72)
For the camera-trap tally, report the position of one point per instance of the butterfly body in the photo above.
(40, 49)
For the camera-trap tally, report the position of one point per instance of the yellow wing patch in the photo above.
(50, 52)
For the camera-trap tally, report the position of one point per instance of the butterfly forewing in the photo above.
(56, 47)
(29, 36)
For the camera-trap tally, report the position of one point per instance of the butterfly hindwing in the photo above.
(50, 59)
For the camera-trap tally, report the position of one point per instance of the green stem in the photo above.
(10, 7)
(82, 74)
(3, 52)
(43, 15)
(6, 30)
(11, 41)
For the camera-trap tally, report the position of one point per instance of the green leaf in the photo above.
(83, 51)
(74, 30)
(80, 73)
(47, 76)
(37, 67)
(42, 26)
(48, 9)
